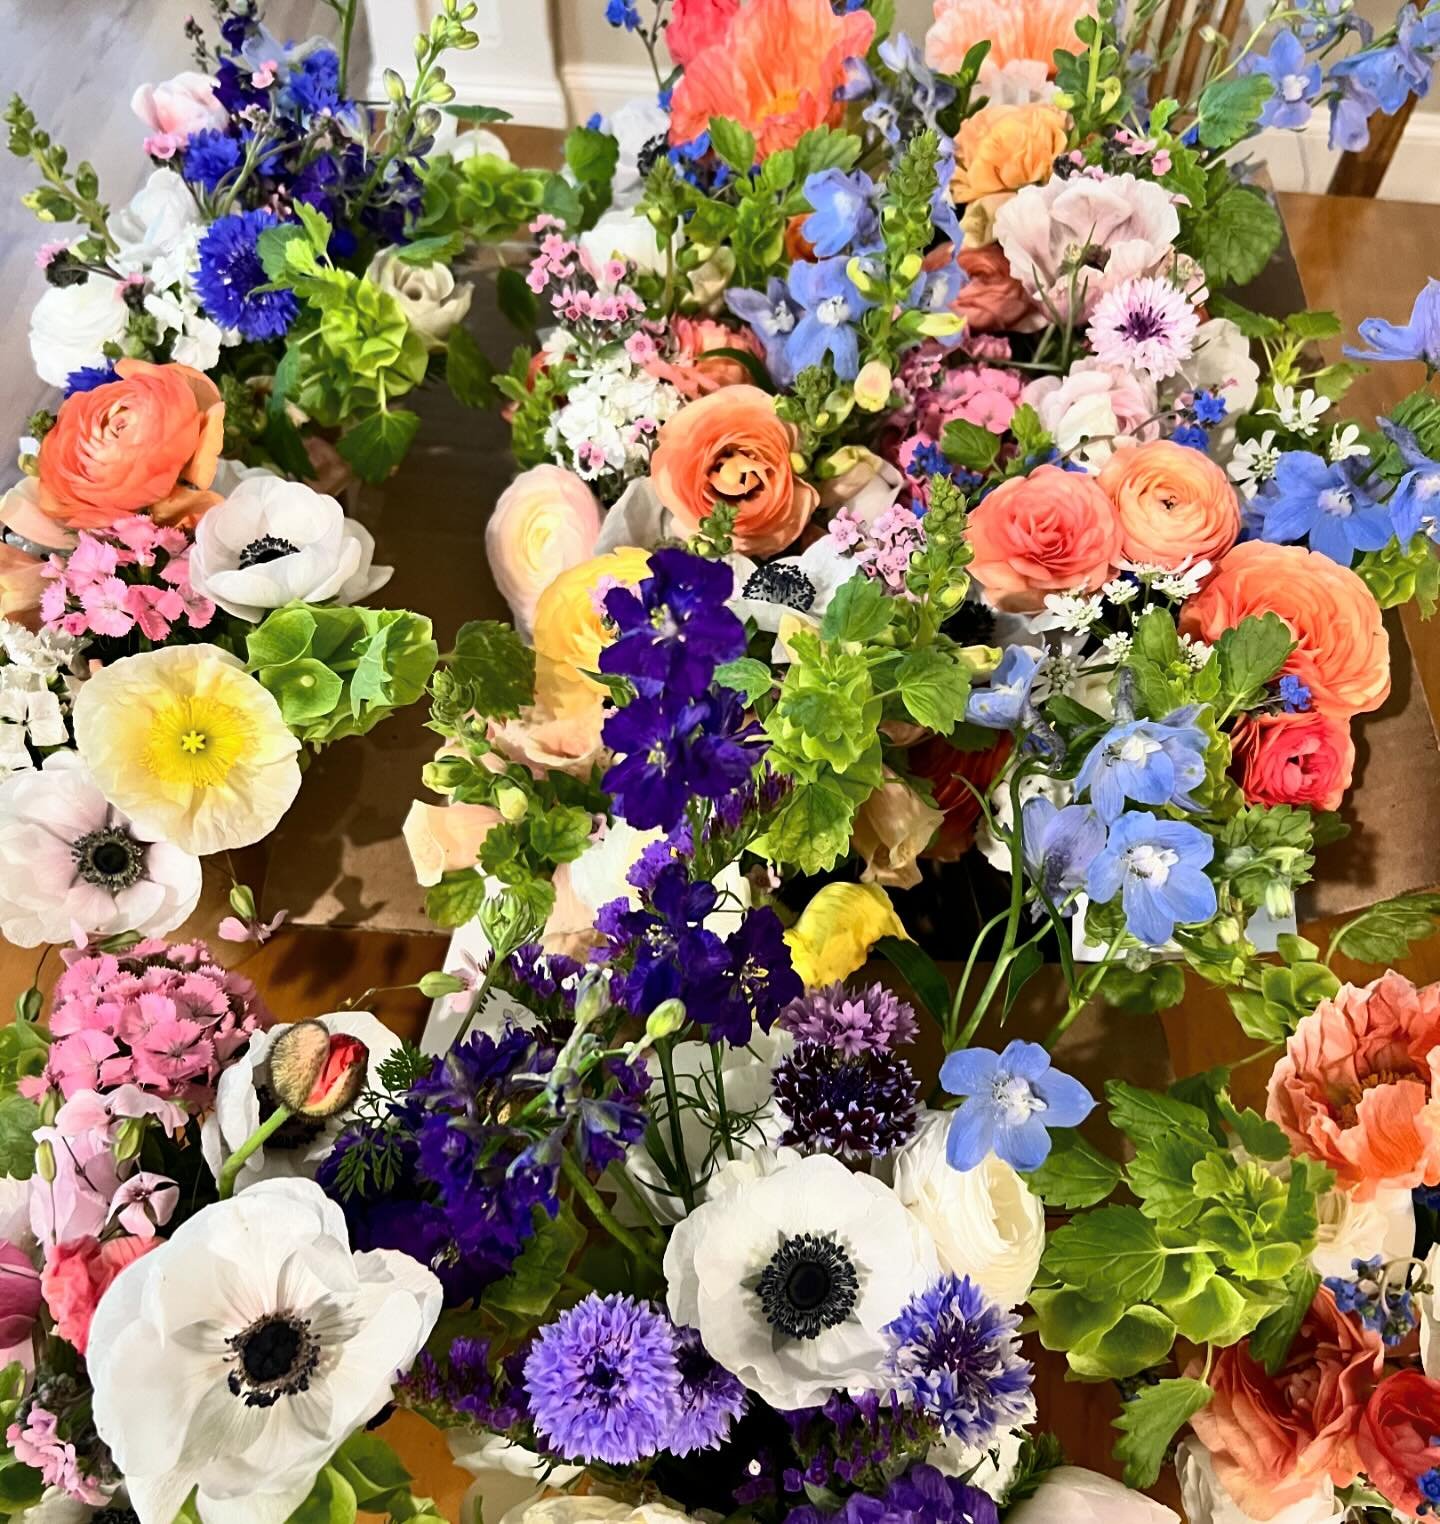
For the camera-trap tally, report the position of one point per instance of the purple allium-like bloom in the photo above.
(603, 1381)
(855, 1108)
(230, 271)
(711, 1399)
(958, 1355)
(1011, 1100)
(1144, 324)
(872, 1020)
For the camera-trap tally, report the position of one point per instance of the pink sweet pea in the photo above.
(144, 1202)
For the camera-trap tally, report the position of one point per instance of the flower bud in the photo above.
(911, 266)
(1228, 930)
(982, 660)
(394, 86)
(511, 802)
(128, 1137)
(665, 1020)
(242, 901)
(316, 1072)
(592, 1000)
(872, 386)
(437, 983)
(941, 325)
(45, 1161)
(1279, 900)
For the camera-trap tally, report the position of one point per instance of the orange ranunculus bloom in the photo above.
(730, 447)
(1035, 29)
(147, 441)
(1396, 1442)
(775, 71)
(1175, 504)
(1341, 651)
(1306, 759)
(1003, 147)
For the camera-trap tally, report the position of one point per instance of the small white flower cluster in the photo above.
(610, 420)
(1195, 651)
(1253, 463)
(1299, 412)
(32, 667)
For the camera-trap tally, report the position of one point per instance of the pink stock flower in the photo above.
(37, 1443)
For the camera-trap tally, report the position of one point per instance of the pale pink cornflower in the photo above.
(1144, 324)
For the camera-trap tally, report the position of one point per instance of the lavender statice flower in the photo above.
(603, 1381)
(872, 1020)
(958, 1356)
(710, 1398)
(855, 1108)
(231, 274)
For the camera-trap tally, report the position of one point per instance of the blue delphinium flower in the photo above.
(230, 273)
(1295, 82)
(1419, 339)
(709, 1401)
(772, 316)
(622, 13)
(210, 156)
(921, 1495)
(958, 1356)
(1012, 1100)
(761, 979)
(1060, 844)
(1149, 761)
(87, 378)
(1327, 504)
(831, 303)
(1157, 868)
(602, 1380)
(845, 215)
(1209, 408)
(1000, 704)
(1294, 695)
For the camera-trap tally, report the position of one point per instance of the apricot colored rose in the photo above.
(1341, 652)
(443, 838)
(695, 370)
(730, 447)
(546, 521)
(149, 440)
(1053, 531)
(1306, 759)
(1356, 1085)
(1274, 1439)
(1397, 1441)
(1175, 504)
(958, 779)
(78, 1273)
(991, 300)
(1003, 147)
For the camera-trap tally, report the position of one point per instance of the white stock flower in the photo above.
(428, 295)
(238, 1356)
(71, 325)
(160, 220)
(273, 541)
(600, 426)
(1206, 1501)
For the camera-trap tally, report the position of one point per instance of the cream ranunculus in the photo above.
(1076, 1496)
(71, 325)
(986, 1222)
(429, 296)
(591, 1508)
(189, 746)
(1206, 1501)
(546, 521)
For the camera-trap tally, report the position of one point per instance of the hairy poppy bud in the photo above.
(316, 1072)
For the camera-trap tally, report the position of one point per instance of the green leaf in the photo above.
(1313, 326)
(1231, 107)
(970, 445)
(1150, 1420)
(19, 1118)
(561, 834)
(1251, 654)
(1065, 1316)
(592, 156)
(811, 829)
(478, 114)
(1384, 933)
(1161, 1174)
(933, 687)
(1145, 1114)
(1075, 1175)
(377, 444)
(1261, 1139)
(1254, 325)
(1141, 1337)
(532, 1286)
(285, 635)
(746, 675)
(1271, 1341)
(305, 689)
(437, 248)
(516, 300)
(734, 144)
(273, 248)
(1144, 991)
(496, 665)
(1112, 1252)
(471, 376)
(859, 611)
(456, 899)
(920, 971)
(1234, 237)
(1217, 1313)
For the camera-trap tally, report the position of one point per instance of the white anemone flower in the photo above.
(236, 1358)
(68, 858)
(272, 542)
(794, 585)
(243, 1100)
(791, 1277)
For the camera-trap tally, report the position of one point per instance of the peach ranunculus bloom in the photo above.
(731, 447)
(546, 521)
(22, 580)
(149, 440)
(78, 1273)
(1358, 1086)
(21, 514)
(1001, 148)
(695, 25)
(693, 369)
(1034, 29)
(1175, 504)
(1053, 531)
(1306, 759)
(442, 838)
(892, 828)
(1273, 1439)
(1341, 654)
(775, 71)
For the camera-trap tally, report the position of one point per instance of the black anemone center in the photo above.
(808, 1286)
(273, 1358)
(116, 1513)
(781, 584)
(109, 858)
(269, 547)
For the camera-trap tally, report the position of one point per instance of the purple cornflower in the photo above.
(1060, 844)
(1010, 1102)
(710, 1398)
(857, 1108)
(230, 273)
(1149, 761)
(1144, 324)
(958, 1355)
(873, 1020)
(1328, 504)
(832, 305)
(603, 1381)
(1419, 339)
(1158, 869)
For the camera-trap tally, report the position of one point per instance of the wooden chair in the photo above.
(1181, 67)
(1362, 172)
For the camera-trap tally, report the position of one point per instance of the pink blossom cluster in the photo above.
(38, 1443)
(934, 394)
(588, 295)
(882, 549)
(133, 575)
(1145, 148)
(164, 1017)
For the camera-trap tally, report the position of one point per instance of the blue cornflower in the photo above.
(1295, 81)
(1157, 868)
(1419, 339)
(312, 85)
(230, 271)
(1209, 408)
(1000, 705)
(210, 155)
(845, 215)
(832, 303)
(1328, 504)
(1013, 1099)
(1060, 844)
(603, 1382)
(772, 316)
(87, 378)
(710, 1398)
(1294, 694)
(1192, 436)
(622, 13)
(1149, 761)
(958, 1356)
(675, 628)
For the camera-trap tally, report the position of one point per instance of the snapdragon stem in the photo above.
(580, 1184)
(677, 1136)
(257, 1139)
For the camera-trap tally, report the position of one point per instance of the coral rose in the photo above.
(695, 25)
(149, 440)
(78, 1273)
(1306, 759)
(1053, 531)
(546, 521)
(1273, 1439)
(1002, 147)
(776, 71)
(570, 622)
(1397, 1441)
(22, 580)
(1175, 504)
(730, 447)
(1034, 30)
(1356, 1086)
(959, 780)
(1341, 651)
(695, 370)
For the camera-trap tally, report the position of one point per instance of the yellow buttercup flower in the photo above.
(837, 929)
(189, 746)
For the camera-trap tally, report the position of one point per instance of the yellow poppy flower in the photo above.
(837, 929)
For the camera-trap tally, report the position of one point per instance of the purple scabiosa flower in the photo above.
(1149, 761)
(1060, 844)
(772, 316)
(1419, 339)
(873, 1020)
(1157, 868)
(230, 271)
(603, 1381)
(1144, 324)
(855, 1108)
(1011, 1100)
(845, 216)
(832, 305)
(1001, 703)
(210, 155)
(958, 1356)
(1328, 504)
(710, 1398)
(1295, 82)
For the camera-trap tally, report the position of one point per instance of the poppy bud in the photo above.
(316, 1072)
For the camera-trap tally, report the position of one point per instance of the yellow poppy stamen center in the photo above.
(196, 741)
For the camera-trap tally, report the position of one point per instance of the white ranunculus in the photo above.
(477, 1453)
(1206, 1501)
(68, 858)
(238, 1356)
(71, 325)
(1076, 1496)
(159, 218)
(1350, 1229)
(986, 1222)
(732, 1264)
(274, 541)
(428, 295)
(625, 234)
(301, 1145)
(590, 1508)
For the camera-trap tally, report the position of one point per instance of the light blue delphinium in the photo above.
(1011, 1101)
(1000, 704)
(1157, 868)
(1295, 81)
(1419, 339)
(772, 316)
(1060, 844)
(1327, 504)
(845, 216)
(1148, 761)
(832, 303)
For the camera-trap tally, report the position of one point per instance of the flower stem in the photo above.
(236, 1162)
(580, 1184)
(677, 1137)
